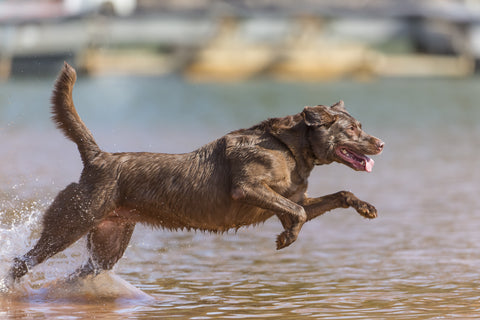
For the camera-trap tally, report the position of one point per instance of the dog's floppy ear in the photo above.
(318, 116)
(339, 106)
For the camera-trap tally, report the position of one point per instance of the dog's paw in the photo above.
(285, 239)
(365, 209)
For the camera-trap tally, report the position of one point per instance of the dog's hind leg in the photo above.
(72, 214)
(342, 199)
(106, 243)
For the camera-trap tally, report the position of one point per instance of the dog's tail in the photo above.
(66, 117)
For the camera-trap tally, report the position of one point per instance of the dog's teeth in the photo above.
(344, 151)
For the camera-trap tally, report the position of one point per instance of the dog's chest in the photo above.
(291, 187)
(296, 193)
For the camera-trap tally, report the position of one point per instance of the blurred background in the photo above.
(241, 39)
(170, 76)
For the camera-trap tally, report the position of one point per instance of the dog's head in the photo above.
(334, 135)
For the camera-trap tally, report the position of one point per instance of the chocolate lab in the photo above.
(243, 178)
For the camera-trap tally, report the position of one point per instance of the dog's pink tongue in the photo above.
(369, 164)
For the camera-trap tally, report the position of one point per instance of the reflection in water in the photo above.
(418, 260)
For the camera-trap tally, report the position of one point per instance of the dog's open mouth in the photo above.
(357, 161)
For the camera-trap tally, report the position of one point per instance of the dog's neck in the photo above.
(294, 137)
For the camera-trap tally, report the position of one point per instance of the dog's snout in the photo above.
(380, 145)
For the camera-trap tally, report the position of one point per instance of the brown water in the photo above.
(418, 260)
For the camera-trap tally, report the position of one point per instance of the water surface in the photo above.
(418, 260)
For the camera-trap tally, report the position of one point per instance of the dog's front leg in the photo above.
(343, 199)
(291, 215)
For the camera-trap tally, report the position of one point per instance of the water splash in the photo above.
(103, 287)
(19, 230)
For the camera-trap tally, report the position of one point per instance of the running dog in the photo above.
(243, 178)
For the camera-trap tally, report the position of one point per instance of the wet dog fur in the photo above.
(243, 178)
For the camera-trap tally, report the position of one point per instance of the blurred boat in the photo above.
(37, 36)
